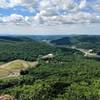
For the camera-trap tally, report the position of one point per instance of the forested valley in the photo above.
(67, 75)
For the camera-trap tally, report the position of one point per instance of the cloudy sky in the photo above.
(49, 17)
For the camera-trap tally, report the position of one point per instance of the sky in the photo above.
(27, 17)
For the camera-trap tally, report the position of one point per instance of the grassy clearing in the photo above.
(15, 67)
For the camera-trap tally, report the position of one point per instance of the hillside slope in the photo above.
(81, 41)
(13, 68)
(26, 50)
(14, 38)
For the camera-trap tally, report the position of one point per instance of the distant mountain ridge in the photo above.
(45, 37)
(76, 39)
(14, 38)
(80, 41)
(62, 41)
(31, 37)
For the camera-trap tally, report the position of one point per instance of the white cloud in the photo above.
(15, 19)
(83, 4)
(52, 12)
(73, 18)
(3, 4)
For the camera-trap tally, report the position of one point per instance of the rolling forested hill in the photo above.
(12, 48)
(82, 41)
(14, 38)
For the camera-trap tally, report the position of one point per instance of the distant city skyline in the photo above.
(49, 17)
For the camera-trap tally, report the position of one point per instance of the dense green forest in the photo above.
(67, 76)
(22, 48)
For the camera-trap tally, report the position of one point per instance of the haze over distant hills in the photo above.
(30, 37)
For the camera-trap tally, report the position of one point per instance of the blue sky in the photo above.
(16, 10)
(49, 17)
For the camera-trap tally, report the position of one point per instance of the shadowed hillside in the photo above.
(14, 38)
(81, 41)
